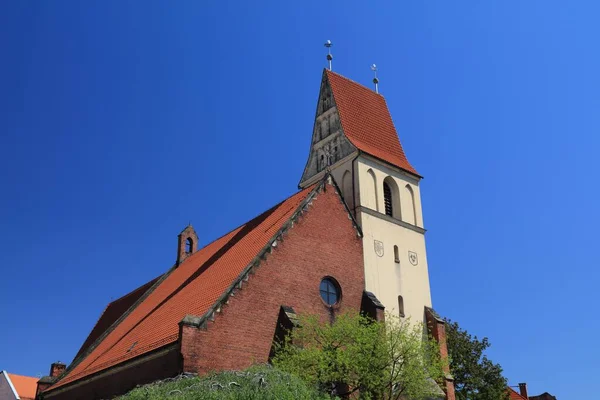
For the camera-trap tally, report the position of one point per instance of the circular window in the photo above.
(330, 291)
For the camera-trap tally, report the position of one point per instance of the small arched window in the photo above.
(369, 197)
(396, 255)
(411, 214)
(401, 306)
(189, 246)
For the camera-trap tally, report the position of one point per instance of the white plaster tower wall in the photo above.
(385, 277)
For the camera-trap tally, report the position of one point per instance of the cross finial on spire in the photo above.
(328, 44)
(375, 79)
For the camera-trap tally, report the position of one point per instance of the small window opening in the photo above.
(189, 245)
(330, 291)
(396, 255)
(387, 198)
(401, 306)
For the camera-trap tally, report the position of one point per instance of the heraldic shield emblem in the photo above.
(379, 248)
(412, 257)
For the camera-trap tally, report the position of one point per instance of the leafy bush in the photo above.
(260, 382)
(355, 354)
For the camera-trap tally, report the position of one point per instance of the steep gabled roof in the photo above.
(112, 312)
(193, 287)
(366, 121)
(25, 386)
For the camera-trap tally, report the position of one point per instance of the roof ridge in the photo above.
(303, 199)
(244, 223)
(353, 81)
(160, 279)
(113, 303)
(268, 247)
(132, 292)
(99, 340)
(24, 376)
(111, 328)
(201, 268)
(366, 121)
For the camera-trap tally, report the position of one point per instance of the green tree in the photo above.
(354, 353)
(476, 377)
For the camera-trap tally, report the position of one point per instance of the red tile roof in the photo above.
(24, 385)
(191, 288)
(112, 312)
(366, 121)
(514, 395)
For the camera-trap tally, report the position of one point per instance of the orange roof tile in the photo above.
(191, 288)
(112, 312)
(514, 395)
(24, 385)
(366, 121)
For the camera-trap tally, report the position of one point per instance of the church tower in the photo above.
(354, 138)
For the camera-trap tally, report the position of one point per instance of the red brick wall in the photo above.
(437, 329)
(322, 243)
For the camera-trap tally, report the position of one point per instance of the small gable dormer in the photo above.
(187, 243)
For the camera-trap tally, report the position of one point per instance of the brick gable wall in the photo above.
(322, 243)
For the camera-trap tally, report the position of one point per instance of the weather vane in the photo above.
(328, 44)
(375, 79)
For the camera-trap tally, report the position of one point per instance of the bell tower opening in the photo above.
(187, 243)
(355, 139)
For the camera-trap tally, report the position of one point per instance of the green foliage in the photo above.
(475, 376)
(256, 383)
(354, 353)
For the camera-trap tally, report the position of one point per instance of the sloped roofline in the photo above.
(147, 286)
(278, 236)
(310, 148)
(302, 208)
(410, 169)
(12, 387)
(325, 79)
(515, 393)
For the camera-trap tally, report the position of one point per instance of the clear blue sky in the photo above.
(120, 122)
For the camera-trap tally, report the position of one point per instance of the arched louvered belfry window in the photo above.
(189, 245)
(387, 199)
(391, 198)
